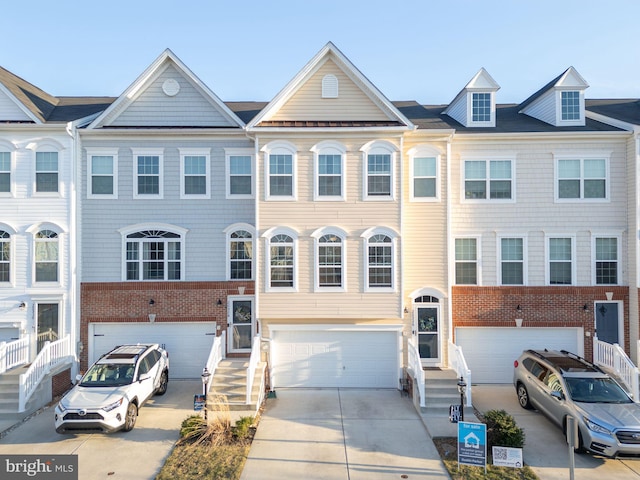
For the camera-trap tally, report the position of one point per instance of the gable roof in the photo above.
(570, 77)
(141, 84)
(40, 107)
(393, 117)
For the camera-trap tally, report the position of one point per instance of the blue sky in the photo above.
(424, 50)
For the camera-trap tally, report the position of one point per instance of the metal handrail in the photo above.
(216, 355)
(459, 364)
(254, 360)
(13, 354)
(613, 356)
(415, 365)
(52, 354)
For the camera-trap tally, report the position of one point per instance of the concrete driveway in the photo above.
(138, 454)
(546, 449)
(339, 434)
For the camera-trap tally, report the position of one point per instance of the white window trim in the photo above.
(33, 230)
(424, 152)
(569, 123)
(182, 232)
(12, 260)
(155, 152)
(547, 262)
(618, 237)
(381, 147)
(48, 145)
(11, 149)
(525, 263)
(241, 152)
(228, 231)
(268, 235)
(606, 156)
(329, 148)
(492, 119)
(366, 236)
(316, 235)
(285, 148)
(97, 152)
(488, 159)
(199, 152)
(478, 260)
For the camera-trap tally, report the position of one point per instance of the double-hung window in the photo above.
(102, 174)
(511, 261)
(148, 173)
(379, 164)
(239, 173)
(582, 179)
(330, 261)
(281, 261)
(466, 253)
(154, 255)
(195, 178)
(380, 259)
(488, 180)
(47, 172)
(606, 260)
(5, 257)
(570, 105)
(5, 172)
(560, 255)
(240, 255)
(329, 171)
(47, 256)
(280, 171)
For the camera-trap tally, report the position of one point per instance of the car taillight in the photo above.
(515, 364)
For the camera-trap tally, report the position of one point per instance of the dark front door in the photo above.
(607, 322)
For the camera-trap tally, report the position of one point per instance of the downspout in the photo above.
(401, 340)
(450, 247)
(634, 315)
(73, 299)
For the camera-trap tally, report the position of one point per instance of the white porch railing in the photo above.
(613, 356)
(52, 354)
(216, 355)
(459, 364)
(254, 360)
(13, 354)
(415, 366)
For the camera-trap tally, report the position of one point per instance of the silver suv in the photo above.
(562, 384)
(108, 396)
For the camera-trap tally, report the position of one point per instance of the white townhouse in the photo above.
(38, 222)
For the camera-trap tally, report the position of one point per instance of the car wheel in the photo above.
(523, 397)
(164, 382)
(130, 418)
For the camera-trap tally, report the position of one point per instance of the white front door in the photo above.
(241, 325)
(427, 328)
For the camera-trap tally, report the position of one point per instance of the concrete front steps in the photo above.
(441, 390)
(9, 397)
(228, 386)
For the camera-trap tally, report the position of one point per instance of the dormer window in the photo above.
(481, 107)
(570, 102)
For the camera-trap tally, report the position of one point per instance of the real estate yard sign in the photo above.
(472, 444)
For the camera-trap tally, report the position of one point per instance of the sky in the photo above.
(423, 50)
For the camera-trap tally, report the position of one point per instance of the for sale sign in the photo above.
(507, 457)
(472, 444)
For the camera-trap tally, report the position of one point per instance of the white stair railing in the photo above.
(415, 366)
(459, 364)
(613, 356)
(52, 354)
(216, 355)
(254, 360)
(13, 354)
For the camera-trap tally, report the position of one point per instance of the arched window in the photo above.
(281, 261)
(154, 255)
(5, 256)
(379, 167)
(241, 255)
(47, 256)
(330, 261)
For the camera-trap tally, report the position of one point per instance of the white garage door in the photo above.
(188, 344)
(362, 359)
(490, 352)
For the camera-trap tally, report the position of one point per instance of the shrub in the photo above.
(502, 430)
(193, 427)
(242, 428)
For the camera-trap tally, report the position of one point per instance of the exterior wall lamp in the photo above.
(586, 307)
(22, 306)
(219, 303)
(519, 309)
(152, 302)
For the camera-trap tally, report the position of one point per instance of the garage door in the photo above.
(320, 358)
(490, 352)
(188, 344)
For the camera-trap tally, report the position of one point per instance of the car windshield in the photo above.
(596, 390)
(108, 375)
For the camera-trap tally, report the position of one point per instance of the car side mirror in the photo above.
(78, 378)
(143, 377)
(557, 395)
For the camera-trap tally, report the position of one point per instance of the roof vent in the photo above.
(329, 86)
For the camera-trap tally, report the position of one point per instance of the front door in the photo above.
(608, 322)
(428, 331)
(241, 326)
(48, 323)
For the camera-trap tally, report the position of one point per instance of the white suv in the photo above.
(108, 396)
